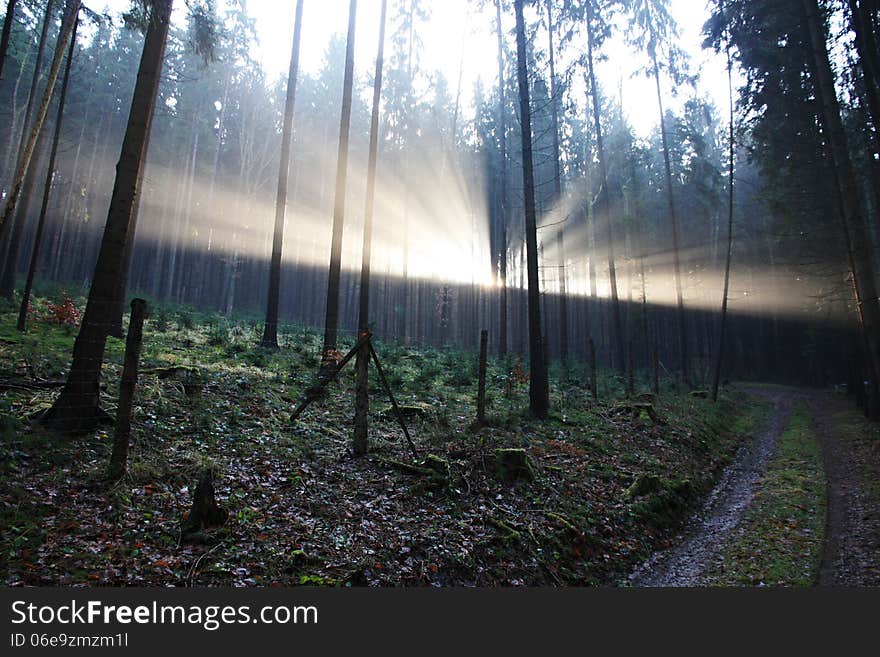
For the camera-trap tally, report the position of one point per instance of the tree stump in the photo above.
(513, 465)
(205, 513)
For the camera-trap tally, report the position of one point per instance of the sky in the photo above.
(455, 29)
(456, 26)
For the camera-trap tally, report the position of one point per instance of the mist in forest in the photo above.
(449, 231)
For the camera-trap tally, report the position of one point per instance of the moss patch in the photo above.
(779, 541)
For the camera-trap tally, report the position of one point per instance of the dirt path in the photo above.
(684, 563)
(852, 539)
(851, 554)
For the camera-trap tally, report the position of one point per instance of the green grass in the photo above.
(779, 541)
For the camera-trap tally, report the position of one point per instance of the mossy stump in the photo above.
(643, 485)
(513, 465)
(440, 469)
(639, 410)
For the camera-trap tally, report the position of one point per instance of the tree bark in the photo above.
(673, 222)
(539, 402)
(852, 219)
(603, 201)
(362, 401)
(730, 171)
(557, 191)
(10, 236)
(77, 410)
(502, 210)
(270, 330)
(331, 320)
(47, 191)
(7, 29)
(24, 160)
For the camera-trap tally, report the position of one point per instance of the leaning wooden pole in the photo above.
(394, 403)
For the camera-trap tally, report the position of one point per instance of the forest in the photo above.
(363, 313)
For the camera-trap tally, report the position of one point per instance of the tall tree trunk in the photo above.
(116, 329)
(604, 199)
(362, 403)
(852, 220)
(539, 402)
(866, 46)
(8, 162)
(10, 237)
(7, 29)
(24, 160)
(502, 210)
(47, 191)
(403, 306)
(77, 409)
(270, 330)
(719, 359)
(557, 191)
(333, 283)
(673, 222)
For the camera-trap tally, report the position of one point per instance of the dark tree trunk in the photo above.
(852, 220)
(47, 191)
(673, 222)
(270, 330)
(557, 191)
(24, 160)
(719, 359)
(7, 29)
(866, 45)
(10, 236)
(502, 210)
(362, 402)
(604, 200)
(331, 321)
(539, 402)
(77, 410)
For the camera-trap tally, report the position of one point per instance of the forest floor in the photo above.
(611, 484)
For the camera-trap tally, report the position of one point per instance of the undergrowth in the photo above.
(302, 508)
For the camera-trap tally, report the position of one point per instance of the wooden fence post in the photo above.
(481, 389)
(593, 383)
(119, 457)
(656, 370)
(631, 375)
